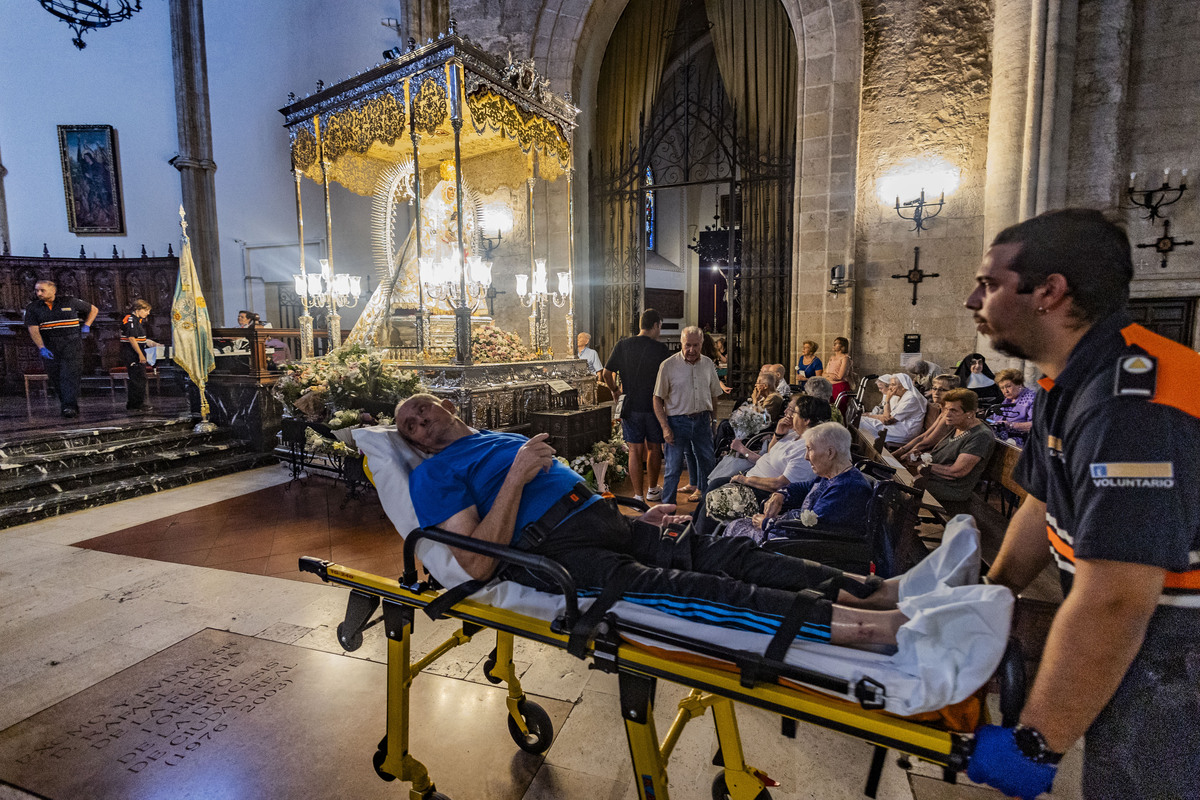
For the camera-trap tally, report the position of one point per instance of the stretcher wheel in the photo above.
(541, 729)
(377, 760)
(721, 792)
(351, 644)
(488, 665)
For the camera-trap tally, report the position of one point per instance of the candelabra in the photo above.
(921, 213)
(1154, 199)
(339, 291)
(447, 279)
(536, 297)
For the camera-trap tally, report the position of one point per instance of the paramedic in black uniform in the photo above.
(54, 325)
(1111, 467)
(133, 354)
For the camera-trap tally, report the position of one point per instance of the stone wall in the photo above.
(1159, 132)
(926, 80)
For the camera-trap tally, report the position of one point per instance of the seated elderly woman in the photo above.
(837, 496)
(935, 426)
(923, 372)
(1014, 417)
(975, 374)
(741, 492)
(901, 412)
(765, 397)
(959, 459)
(821, 388)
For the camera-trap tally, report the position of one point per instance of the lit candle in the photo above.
(1132, 176)
(1166, 176)
(1183, 175)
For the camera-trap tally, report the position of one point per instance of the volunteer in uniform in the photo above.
(1112, 466)
(54, 326)
(133, 354)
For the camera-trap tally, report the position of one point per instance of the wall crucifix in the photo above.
(916, 274)
(1166, 243)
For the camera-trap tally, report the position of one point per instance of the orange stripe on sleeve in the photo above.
(1183, 580)
(1178, 369)
(1064, 549)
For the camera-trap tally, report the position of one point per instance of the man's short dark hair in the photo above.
(650, 318)
(813, 409)
(1080, 244)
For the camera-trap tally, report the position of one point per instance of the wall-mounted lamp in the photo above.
(839, 279)
(1154, 199)
(921, 211)
(918, 178)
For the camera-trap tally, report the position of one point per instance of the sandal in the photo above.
(694, 497)
(688, 488)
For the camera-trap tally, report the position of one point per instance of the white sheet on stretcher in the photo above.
(951, 645)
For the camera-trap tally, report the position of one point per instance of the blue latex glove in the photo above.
(85, 328)
(998, 762)
(46, 354)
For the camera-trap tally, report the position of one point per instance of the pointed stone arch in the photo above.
(569, 41)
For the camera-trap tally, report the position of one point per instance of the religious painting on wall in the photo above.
(90, 179)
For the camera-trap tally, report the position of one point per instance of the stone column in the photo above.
(195, 162)
(5, 236)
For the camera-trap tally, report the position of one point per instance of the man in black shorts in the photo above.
(635, 359)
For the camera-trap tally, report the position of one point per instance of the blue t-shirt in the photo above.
(470, 473)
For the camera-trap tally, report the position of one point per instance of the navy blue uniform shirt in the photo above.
(1115, 454)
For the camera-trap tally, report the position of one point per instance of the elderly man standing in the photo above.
(54, 326)
(684, 395)
(588, 354)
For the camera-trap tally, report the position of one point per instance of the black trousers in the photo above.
(135, 392)
(716, 581)
(65, 368)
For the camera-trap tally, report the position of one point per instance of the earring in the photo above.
(1041, 310)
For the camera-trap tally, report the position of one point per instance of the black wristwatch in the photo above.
(1033, 745)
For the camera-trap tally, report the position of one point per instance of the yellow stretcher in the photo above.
(719, 678)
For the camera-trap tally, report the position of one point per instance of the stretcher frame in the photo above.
(755, 682)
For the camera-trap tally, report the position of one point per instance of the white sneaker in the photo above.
(638, 497)
(654, 493)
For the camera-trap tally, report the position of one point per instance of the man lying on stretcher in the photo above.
(509, 490)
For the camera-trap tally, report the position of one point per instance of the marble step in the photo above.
(32, 509)
(32, 484)
(65, 462)
(59, 439)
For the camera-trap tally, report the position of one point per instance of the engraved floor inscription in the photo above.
(221, 715)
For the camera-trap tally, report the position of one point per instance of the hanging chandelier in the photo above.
(86, 15)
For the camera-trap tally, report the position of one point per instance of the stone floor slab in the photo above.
(221, 715)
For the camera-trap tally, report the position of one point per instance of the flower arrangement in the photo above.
(612, 454)
(731, 501)
(748, 420)
(350, 377)
(491, 344)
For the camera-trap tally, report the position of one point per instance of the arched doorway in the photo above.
(701, 95)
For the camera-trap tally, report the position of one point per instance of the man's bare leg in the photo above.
(857, 626)
(654, 453)
(637, 455)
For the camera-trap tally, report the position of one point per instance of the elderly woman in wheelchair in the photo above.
(837, 497)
